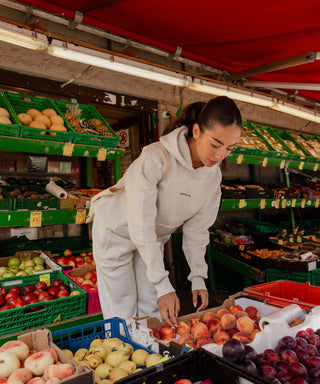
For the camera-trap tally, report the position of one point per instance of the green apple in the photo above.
(38, 260)
(3, 270)
(22, 265)
(21, 273)
(13, 269)
(8, 274)
(39, 268)
(29, 271)
(13, 262)
(29, 263)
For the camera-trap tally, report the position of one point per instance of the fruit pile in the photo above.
(89, 281)
(46, 119)
(26, 193)
(4, 116)
(216, 328)
(187, 381)
(295, 360)
(16, 297)
(113, 359)
(74, 261)
(18, 267)
(19, 364)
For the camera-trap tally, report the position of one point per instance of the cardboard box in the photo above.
(53, 166)
(41, 339)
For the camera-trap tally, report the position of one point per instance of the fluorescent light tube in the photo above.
(23, 37)
(115, 63)
(296, 111)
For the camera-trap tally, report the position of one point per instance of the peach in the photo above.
(36, 380)
(253, 333)
(59, 371)
(183, 327)
(235, 308)
(214, 325)
(208, 316)
(21, 374)
(203, 341)
(18, 347)
(253, 313)
(232, 331)
(228, 321)
(53, 353)
(167, 332)
(241, 314)
(185, 339)
(245, 324)
(194, 320)
(219, 336)
(38, 362)
(9, 362)
(243, 337)
(53, 380)
(200, 330)
(221, 341)
(3, 380)
(222, 312)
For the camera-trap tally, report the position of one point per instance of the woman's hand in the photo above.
(169, 307)
(203, 293)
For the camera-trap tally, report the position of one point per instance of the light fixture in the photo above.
(282, 85)
(297, 111)
(115, 63)
(23, 37)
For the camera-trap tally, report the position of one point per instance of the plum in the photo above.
(287, 342)
(284, 376)
(233, 350)
(314, 340)
(289, 356)
(249, 366)
(299, 380)
(314, 373)
(298, 370)
(250, 353)
(301, 341)
(281, 365)
(312, 362)
(302, 355)
(268, 370)
(311, 350)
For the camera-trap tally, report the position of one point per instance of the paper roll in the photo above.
(283, 315)
(55, 190)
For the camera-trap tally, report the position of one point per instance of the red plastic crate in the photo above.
(93, 305)
(282, 293)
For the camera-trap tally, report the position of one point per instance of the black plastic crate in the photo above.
(196, 366)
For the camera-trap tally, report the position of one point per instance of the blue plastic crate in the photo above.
(82, 335)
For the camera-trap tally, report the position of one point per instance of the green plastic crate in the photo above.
(8, 129)
(35, 204)
(256, 226)
(22, 103)
(23, 318)
(284, 135)
(7, 203)
(9, 247)
(88, 112)
(57, 245)
(282, 274)
(314, 138)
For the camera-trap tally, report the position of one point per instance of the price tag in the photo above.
(280, 241)
(239, 159)
(299, 239)
(301, 165)
(314, 238)
(46, 278)
(81, 216)
(283, 203)
(277, 203)
(262, 203)
(315, 168)
(303, 203)
(241, 247)
(317, 203)
(102, 154)
(68, 149)
(291, 240)
(265, 161)
(282, 164)
(293, 203)
(242, 203)
(35, 219)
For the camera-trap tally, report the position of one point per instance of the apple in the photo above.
(3, 270)
(56, 283)
(88, 262)
(9, 362)
(89, 253)
(88, 282)
(61, 260)
(42, 295)
(3, 291)
(71, 263)
(14, 262)
(5, 307)
(67, 252)
(79, 279)
(83, 254)
(87, 286)
(41, 286)
(62, 293)
(53, 291)
(79, 263)
(19, 303)
(28, 289)
(29, 263)
(15, 289)
(38, 260)
(2, 301)
(63, 286)
(28, 297)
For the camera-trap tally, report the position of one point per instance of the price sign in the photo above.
(35, 219)
(102, 154)
(262, 203)
(314, 238)
(317, 203)
(68, 149)
(291, 240)
(242, 203)
(239, 159)
(46, 278)
(81, 216)
(265, 161)
(282, 164)
(293, 203)
(280, 241)
(315, 168)
(301, 165)
(283, 203)
(277, 203)
(241, 247)
(299, 239)
(303, 203)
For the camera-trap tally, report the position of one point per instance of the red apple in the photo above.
(71, 263)
(28, 297)
(41, 286)
(62, 260)
(28, 289)
(78, 279)
(3, 291)
(79, 263)
(63, 286)
(48, 298)
(87, 286)
(42, 295)
(67, 252)
(5, 307)
(19, 303)
(2, 301)
(62, 293)
(53, 291)
(12, 301)
(83, 254)
(56, 282)
(167, 332)
(15, 289)
(88, 262)
(89, 253)
(11, 294)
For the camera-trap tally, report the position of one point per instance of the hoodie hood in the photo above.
(176, 144)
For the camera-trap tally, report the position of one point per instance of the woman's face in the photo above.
(211, 146)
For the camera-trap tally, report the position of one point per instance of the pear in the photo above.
(139, 356)
(102, 372)
(126, 347)
(94, 361)
(81, 353)
(116, 357)
(83, 363)
(137, 370)
(95, 343)
(117, 374)
(128, 365)
(68, 353)
(102, 351)
(113, 342)
(152, 359)
(106, 381)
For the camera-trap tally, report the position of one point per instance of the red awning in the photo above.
(231, 35)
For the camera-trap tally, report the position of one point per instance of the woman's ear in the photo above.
(195, 131)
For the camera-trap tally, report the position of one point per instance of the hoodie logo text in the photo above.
(184, 194)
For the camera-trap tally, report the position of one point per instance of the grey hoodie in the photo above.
(150, 209)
